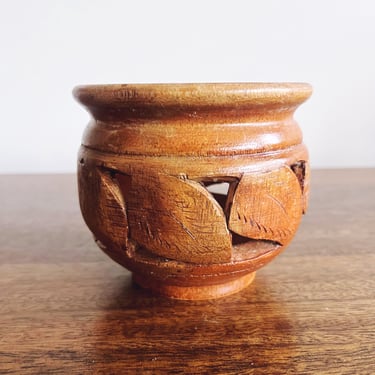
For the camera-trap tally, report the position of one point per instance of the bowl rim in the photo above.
(193, 94)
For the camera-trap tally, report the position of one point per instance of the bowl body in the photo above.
(193, 187)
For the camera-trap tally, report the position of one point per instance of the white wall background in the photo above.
(47, 47)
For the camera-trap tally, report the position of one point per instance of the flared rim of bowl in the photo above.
(193, 94)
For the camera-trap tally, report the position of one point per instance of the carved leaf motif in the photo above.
(112, 210)
(177, 219)
(267, 206)
(103, 207)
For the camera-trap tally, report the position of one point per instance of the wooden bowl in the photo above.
(193, 187)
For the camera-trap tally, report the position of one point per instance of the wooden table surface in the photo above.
(66, 308)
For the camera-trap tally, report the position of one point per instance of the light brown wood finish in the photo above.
(267, 206)
(148, 157)
(65, 308)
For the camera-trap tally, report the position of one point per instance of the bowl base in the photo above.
(194, 292)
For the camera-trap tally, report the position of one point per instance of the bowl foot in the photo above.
(194, 292)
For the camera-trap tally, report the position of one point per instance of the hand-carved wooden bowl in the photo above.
(151, 159)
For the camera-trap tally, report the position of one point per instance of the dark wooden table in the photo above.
(66, 308)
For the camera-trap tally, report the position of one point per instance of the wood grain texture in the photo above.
(177, 219)
(66, 308)
(147, 157)
(105, 207)
(267, 206)
(183, 112)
